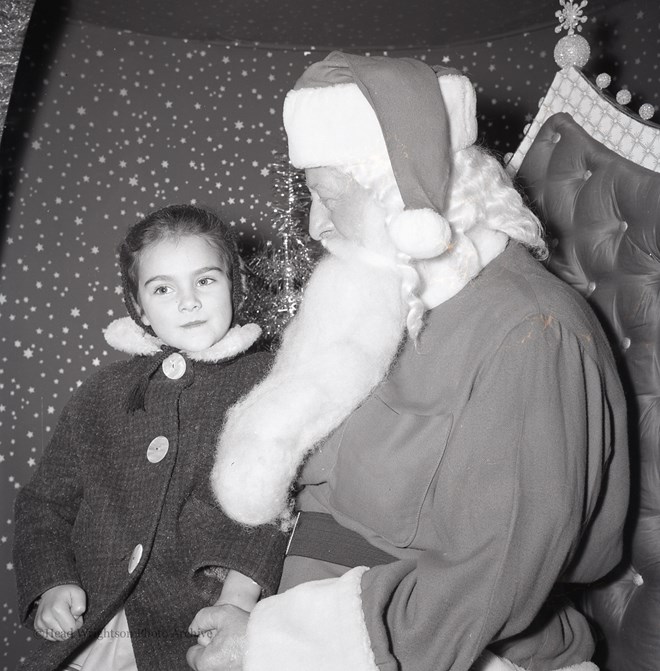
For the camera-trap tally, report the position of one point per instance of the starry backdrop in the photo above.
(105, 125)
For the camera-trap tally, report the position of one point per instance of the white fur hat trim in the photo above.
(336, 125)
(331, 126)
(461, 103)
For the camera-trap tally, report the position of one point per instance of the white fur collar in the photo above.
(470, 252)
(126, 336)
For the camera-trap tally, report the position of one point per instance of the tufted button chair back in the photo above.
(602, 216)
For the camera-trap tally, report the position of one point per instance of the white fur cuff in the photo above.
(316, 626)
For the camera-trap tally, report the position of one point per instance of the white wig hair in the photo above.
(481, 197)
(378, 177)
(482, 194)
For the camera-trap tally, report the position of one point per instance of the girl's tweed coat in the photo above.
(97, 499)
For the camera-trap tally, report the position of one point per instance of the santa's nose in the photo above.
(319, 221)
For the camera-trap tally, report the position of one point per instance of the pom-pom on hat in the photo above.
(348, 110)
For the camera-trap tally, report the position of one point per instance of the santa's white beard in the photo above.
(336, 349)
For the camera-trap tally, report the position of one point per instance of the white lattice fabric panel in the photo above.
(607, 122)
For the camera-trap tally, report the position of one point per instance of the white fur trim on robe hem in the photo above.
(315, 626)
(126, 336)
(490, 662)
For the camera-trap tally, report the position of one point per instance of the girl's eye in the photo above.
(205, 281)
(162, 290)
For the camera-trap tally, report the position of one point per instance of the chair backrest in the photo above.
(602, 216)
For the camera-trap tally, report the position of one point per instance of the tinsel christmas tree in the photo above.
(277, 273)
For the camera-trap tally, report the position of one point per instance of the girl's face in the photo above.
(184, 292)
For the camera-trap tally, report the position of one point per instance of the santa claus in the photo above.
(443, 426)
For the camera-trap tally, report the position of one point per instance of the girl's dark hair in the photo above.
(177, 221)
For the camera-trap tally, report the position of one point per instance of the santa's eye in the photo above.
(326, 200)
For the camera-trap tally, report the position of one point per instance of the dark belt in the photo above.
(319, 536)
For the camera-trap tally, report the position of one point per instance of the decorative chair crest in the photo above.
(605, 118)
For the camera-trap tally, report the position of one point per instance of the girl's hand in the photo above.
(220, 632)
(60, 611)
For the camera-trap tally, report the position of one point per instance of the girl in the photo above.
(118, 539)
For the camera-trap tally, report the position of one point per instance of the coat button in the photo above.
(136, 555)
(174, 366)
(157, 449)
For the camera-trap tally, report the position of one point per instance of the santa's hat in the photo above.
(349, 110)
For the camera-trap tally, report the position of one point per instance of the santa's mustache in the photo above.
(336, 349)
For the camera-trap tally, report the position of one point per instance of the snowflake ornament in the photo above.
(570, 16)
(572, 49)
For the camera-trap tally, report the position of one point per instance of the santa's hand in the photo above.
(220, 632)
(60, 612)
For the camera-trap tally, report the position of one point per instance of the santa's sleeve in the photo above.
(535, 465)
